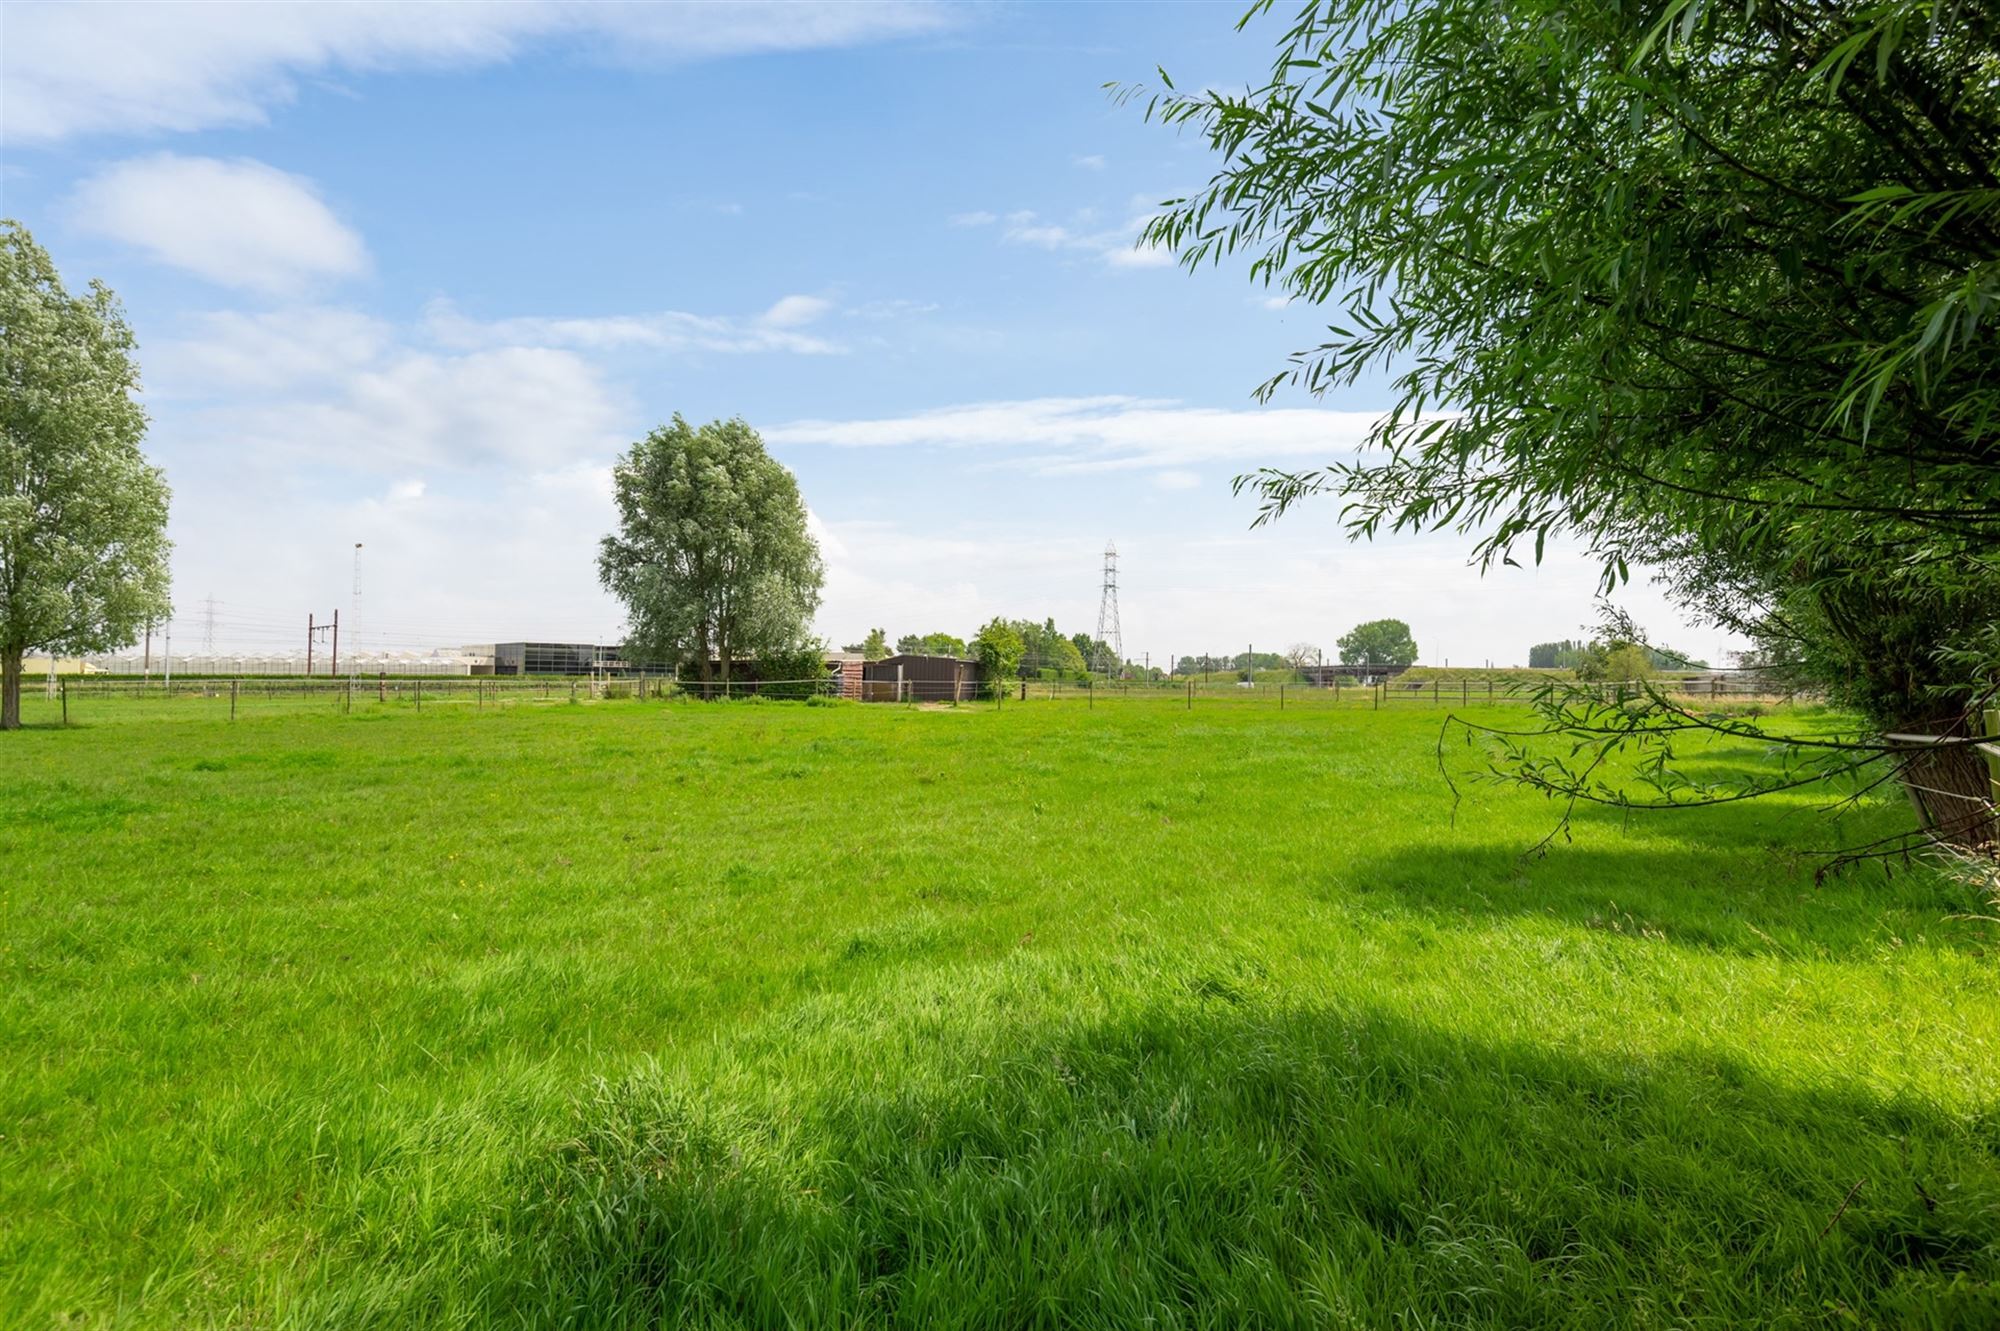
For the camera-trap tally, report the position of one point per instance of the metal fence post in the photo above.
(232, 700)
(65, 699)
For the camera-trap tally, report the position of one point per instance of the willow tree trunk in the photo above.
(1952, 790)
(10, 689)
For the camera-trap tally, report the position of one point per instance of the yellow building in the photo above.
(32, 666)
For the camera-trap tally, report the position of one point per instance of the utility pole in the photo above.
(353, 614)
(170, 653)
(334, 669)
(310, 630)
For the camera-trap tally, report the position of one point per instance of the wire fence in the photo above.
(91, 698)
(1395, 693)
(88, 699)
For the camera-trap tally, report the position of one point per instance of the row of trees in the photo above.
(1582, 653)
(714, 563)
(1698, 286)
(1043, 646)
(1046, 649)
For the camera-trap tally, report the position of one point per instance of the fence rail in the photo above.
(1465, 692)
(97, 697)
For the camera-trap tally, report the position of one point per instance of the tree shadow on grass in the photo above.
(1201, 1160)
(1737, 900)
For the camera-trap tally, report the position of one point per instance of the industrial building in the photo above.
(557, 658)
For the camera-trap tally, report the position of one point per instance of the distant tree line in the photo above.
(1044, 648)
(1578, 654)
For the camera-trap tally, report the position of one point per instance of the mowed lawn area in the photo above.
(748, 1015)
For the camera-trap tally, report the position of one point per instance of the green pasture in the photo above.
(1057, 1015)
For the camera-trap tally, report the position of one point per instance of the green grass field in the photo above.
(741, 1015)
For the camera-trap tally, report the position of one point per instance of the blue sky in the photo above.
(412, 276)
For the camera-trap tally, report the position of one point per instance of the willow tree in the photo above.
(83, 515)
(712, 556)
(1705, 286)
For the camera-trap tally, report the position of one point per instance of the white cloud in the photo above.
(1275, 302)
(509, 407)
(238, 223)
(795, 311)
(1089, 161)
(1108, 433)
(73, 69)
(1045, 237)
(232, 351)
(974, 219)
(1177, 480)
(776, 330)
(407, 492)
(1117, 247)
(1139, 256)
(899, 308)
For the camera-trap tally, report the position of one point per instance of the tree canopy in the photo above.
(873, 647)
(997, 646)
(1044, 647)
(83, 515)
(1698, 285)
(1378, 642)
(712, 557)
(930, 644)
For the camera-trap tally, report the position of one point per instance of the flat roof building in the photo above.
(556, 658)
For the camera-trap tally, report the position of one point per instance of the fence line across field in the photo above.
(72, 693)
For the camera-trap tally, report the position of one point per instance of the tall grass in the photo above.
(657, 1014)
